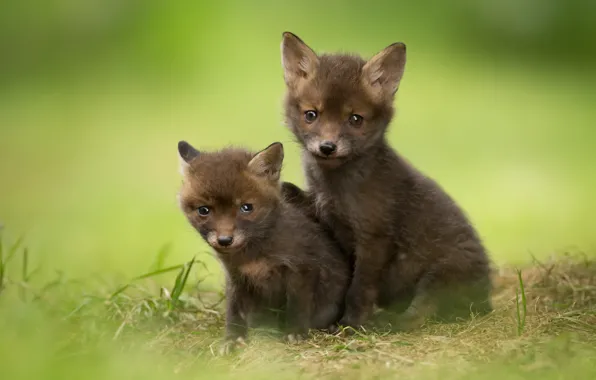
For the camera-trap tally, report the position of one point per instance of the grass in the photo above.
(544, 323)
(521, 305)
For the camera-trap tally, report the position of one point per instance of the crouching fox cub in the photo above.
(273, 255)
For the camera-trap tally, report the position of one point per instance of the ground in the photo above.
(544, 324)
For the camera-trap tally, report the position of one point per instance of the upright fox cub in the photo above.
(274, 257)
(413, 248)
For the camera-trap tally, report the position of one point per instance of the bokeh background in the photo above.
(497, 104)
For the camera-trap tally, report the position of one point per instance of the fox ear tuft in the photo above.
(298, 60)
(268, 162)
(383, 72)
(187, 153)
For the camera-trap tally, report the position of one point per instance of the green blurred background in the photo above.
(496, 104)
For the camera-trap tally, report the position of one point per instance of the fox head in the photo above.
(230, 197)
(338, 106)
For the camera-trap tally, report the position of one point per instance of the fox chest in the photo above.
(263, 277)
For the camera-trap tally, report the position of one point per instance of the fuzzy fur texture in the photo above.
(413, 250)
(276, 259)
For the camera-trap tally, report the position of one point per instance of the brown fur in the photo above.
(279, 259)
(258, 270)
(413, 247)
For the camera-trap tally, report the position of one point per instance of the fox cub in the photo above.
(273, 255)
(414, 251)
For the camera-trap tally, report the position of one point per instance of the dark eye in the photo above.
(310, 116)
(246, 208)
(356, 120)
(203, 210)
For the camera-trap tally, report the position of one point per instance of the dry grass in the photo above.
(560, 300)
(544, 322)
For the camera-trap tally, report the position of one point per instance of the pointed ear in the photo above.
(187, 153)
(298, 60)
(383, 72)
(267, 163)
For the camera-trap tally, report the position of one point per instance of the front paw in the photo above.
(231, 345)
(354, 318)
(408, 322)
(333, 329)
(349, 325)
(295, 338)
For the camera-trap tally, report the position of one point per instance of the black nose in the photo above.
(327, 148)
(224, 241)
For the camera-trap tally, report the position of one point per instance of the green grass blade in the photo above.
(25, 268)
(146, 275)
(185, 279)
(50, 285)
(161, 256)
(180, 283)
(177, 282)
(521, 307)
(159, 271)
(119, 290)
(32, 273)
(523, 298)
(517, 314)
(86, 301)
(13, 249)
(1, 261)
